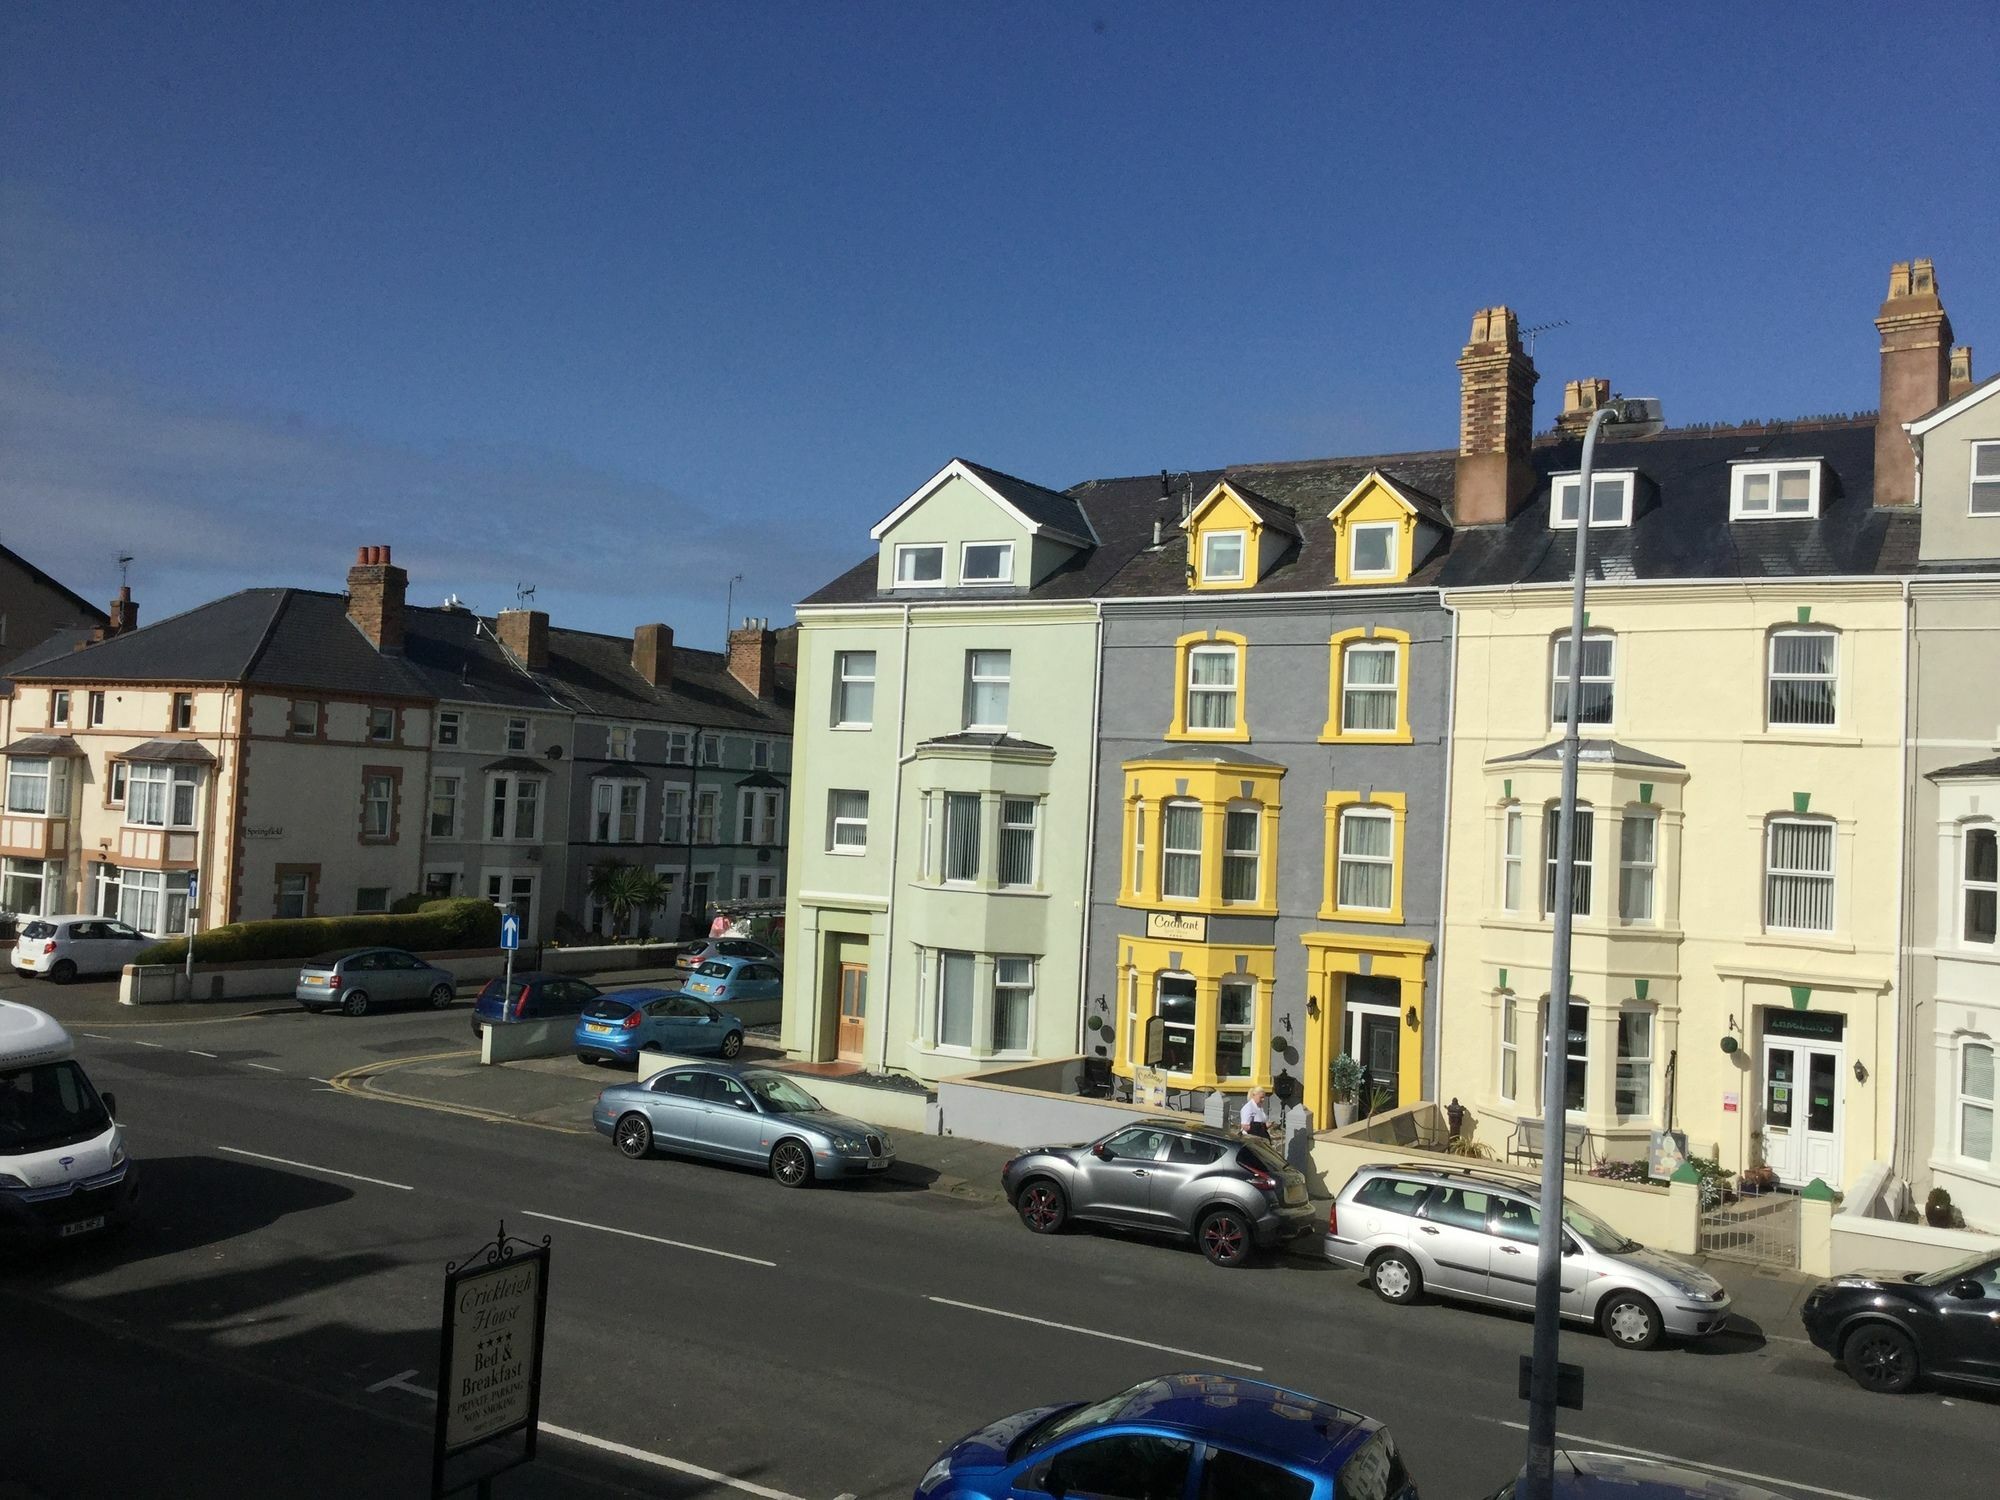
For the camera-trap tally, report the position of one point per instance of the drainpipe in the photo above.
(895, 844)
(1906, 1000)
(1090, 823)
(1436, 1017)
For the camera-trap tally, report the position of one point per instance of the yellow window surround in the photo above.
(1373, 501)
(1370, 635)
(1330, 957)
(1221, 512)
(1208, 964)
(1238, 730)
(1337, 803)
(1216, 786)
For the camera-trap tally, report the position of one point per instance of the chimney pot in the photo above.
(360, 556)
(1496, 414)
(1959, 380)
(1916, 358)
(123, 615)
(753, 657)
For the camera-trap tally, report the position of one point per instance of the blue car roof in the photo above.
(640, 994)
(1251, 1415)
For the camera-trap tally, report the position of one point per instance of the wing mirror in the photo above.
(1967, 1290)
(1101, 1151)
(110, 1103)
(1570, 1246)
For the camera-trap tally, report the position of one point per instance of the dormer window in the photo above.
(987, 562)
(1222, 557)
(918, 566)
(1764, 491)
(1372, 549)
(1610, 499)
(1985, 479)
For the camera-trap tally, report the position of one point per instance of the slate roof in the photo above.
(1608, 751)
(1212, 754)
(1045, 507)
(44, 744)
(984, 740)
(186, 752)
(1972, 768)
(92, 611)
(1277, 517)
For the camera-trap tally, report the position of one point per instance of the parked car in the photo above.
(1890, 1330)
(614, 1026)
(64, 947)
(696, 954)
(748, 1115)
(1472, 1234)
(1614, 1476)
(534, 996)
(363, 979)
(1230, 1194)
(735, 981)
(1207, 1435)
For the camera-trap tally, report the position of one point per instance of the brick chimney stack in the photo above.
(1916, 348)
(753, 657)
(525, 633)
(1496, 414)
(375, 590)
(1581, 398)
(124, 613)
(1959, 380)
(653, 654)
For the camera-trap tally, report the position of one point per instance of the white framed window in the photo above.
(1632, 1096)
(155, 901)
(1511, 830)
(1139, 847)
(707, 815)
(961, 836)
(954, 999)
(673, 815)
(95, 710)
(853, 689)
(1211, 688)
(450, 724)
(1638, 855)
(1610, 499)
(1222, 556)
(36, 784)
(1763, 491)
(1596, 689)
(986, 562)
(1804, 667)
(183, 710)
(515, 807)
(444, 807)
(680, 747)
(1366, 878)
(120, 773)
(1235, 1027)
(381, 723)
(919, 565)
(160, 796)
(1372, 547)
(618, 742)
(1175, 1003)
(1242, 828)
(847, 822)
(711, 749)
(517, 734)
(517, 891)
(378, 806)
(987, 680)
(616, 809)
(294, 894)
(1579, 903)
(1798, 875)
(302, 718)
(31, 887)
(1980, 884)
(371, 898)
(1013, 1002)
(1019, 820)
(1975, 1102)
(59, 707)
(1510, 1048)
(1985, 497)
(1576, 1057)
(757, 816)
(1132, 1017)
(1180, 851)
(1368, 688)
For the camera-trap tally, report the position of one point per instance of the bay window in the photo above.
(1637, 856)
(1013, 1002)
(954, 999)
(158, 795)
(36, 784)
(1180, 851)
(1241, 829)
(1235, 1027)
(154, 901)
(1633, 1098)
(1018, 821)
(1976, 1102)
(1510, 859)
(1580, 841)
(1981, 884)
(1510, 1048)
(31, 887)
(1576, 1057)
(961, 836)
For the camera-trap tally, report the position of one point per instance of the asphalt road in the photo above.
(276, 1311)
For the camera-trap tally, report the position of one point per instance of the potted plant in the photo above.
(1347, 1079)
(1760, 1178)
(1937, 1209)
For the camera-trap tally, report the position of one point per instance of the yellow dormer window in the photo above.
(1233, 538)
(1374, 534)
(1221, 557)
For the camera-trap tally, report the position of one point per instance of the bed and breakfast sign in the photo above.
(490, 1365)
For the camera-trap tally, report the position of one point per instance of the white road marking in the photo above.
(266, 1067)
(1116, 1338)
(1582, 1444)
(401, 1382)
(327, 1081)
(660, 1460)
(94, 1036)
(652, 1239)
(138, 1043)
(306, 1166)
(194, 1053)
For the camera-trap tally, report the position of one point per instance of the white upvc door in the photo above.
(1802, 1109)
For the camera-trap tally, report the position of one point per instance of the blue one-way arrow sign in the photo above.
(510, 931)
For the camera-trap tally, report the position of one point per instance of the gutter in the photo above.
(1090, 825)
(1903, 1038)
(895, 844)
(1444, 852)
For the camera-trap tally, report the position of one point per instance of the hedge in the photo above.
(436, 926)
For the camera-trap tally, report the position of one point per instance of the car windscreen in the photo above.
(1594, 1232)
(780, 1095)
(46, 1106)
(604, 1008)
(39, 930)
(715, 968)
(1969, 1269)
(1060, 1427)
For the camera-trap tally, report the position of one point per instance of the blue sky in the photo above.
(623, 299)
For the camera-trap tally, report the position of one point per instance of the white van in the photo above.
(63, 1170)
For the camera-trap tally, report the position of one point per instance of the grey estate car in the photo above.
(754, 1117)
(363, 979)
(1472, 1234)
(1229, 1194)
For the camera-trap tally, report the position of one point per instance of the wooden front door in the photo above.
(853, 1010)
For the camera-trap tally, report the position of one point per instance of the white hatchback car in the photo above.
(64, 947)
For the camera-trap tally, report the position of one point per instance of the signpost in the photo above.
(193, 925)
(489, 1364)
(510, 942)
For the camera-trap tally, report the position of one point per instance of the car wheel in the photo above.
(1042, 1206)
(732, 1044)
(1630, 1321)
(1396, 1278)
(63, 971)
(1225, 1237)
(441, 997)
(1880, 1358)
(587, 1059)
(355, 1002)
(633, 1136)
(792, 1164)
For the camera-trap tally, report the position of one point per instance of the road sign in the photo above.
(490, 1364)
(510, 932)
(194, 887)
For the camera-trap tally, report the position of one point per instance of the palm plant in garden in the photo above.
(625, 890)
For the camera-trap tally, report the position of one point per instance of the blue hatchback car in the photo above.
(1215, 1437)
(733, 981)
(614, 1026)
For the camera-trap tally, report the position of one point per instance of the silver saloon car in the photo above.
(1472, 1234)
(750, 1116)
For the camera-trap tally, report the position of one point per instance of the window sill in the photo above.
(1331, 736)
(1826, 944)
(1987, 1172)
(852, 728)
(847, 853)
(1393, 918)
(1208, 736)
(1799, 734)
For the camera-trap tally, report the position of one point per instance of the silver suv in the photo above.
(1228, 1194)
(1472, 1234)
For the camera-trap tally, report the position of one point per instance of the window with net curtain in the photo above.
(954, 1000)
(28, 784)
(1180, 850)
(961, 836)
(1211, 698)
(1241, 829)
(1367, 859)
(1596, 690)
(1975, 1101)
(1013, 1001)
(1802, 673)
(1798, 875)
(1017, 841)
(1368, 689)
(1579, 894)
(1982, 884)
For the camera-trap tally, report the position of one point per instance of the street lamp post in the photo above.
(1632, 417)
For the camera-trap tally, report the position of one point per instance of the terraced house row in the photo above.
(1268, 755)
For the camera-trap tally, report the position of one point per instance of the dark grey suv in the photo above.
(1229, 1194)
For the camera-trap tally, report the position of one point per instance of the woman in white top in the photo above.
(1253, 1119)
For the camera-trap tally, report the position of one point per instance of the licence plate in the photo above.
(595, 1030)
(80, 1226)
(314, 979)
(877, 1163)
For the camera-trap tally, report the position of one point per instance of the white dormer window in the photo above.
(1610, 499)
(1372, 549)
(1985, 479)
(1764, 491)
(1222, 557)
(986, 562)
(918, 565)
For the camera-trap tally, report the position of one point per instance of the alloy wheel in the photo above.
(634, 1136)
(1042, 1208)
(790, 1164)
(1225, 1239)
(1881, 1359)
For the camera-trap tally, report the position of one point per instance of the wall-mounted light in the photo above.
(1410, 1018)
(1860, 1071)
(1312, 1001)
(1286, 1020)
